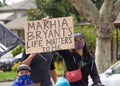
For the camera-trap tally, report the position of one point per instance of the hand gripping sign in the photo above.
(46, 36)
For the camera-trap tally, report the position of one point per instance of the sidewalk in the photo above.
(5, 83)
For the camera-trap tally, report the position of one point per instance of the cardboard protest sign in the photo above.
(46, 36)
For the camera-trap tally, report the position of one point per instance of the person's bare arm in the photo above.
(29, 59)
(53, 75)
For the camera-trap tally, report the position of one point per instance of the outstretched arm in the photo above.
(27, 58)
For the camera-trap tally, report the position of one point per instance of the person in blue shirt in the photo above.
(23, 76)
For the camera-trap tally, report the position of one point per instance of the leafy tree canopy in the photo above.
(52, 8)
(2, 4)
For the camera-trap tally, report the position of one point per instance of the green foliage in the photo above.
(98, 3)
(15, 65)
(35, 14)
(2, 4)
(17, 50)
(59, 67)
(117, 41)
(51, 8)
(115, 34)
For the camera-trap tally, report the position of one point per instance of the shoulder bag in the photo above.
(73, 76)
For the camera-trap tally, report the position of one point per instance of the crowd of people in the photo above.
(37, 69)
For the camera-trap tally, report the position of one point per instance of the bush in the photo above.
(17, 50)
(15, 65)
(59, 67)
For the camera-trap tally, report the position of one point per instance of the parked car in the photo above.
(6, 64)
(111, 77)
(17, 58)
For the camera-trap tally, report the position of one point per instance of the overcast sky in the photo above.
(9, 2)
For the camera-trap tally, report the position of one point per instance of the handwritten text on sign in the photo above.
(45, 36)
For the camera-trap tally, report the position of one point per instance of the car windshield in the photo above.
(116, 68)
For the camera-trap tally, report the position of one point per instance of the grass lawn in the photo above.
(5, 76)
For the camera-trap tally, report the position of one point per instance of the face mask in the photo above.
(24, 77)
(79, 44)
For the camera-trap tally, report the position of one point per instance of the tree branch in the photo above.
(116, 8)
(87, 9)
(106, 11)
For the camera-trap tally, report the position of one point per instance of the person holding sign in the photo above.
(41, 66)
(41, 62)
(80, 58)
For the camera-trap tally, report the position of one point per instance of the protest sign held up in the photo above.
(46, 36)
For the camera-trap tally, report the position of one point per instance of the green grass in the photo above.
(7, 75)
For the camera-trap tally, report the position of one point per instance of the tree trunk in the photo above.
(102, 20)
(103, 54)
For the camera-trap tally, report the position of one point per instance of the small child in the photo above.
(23, 76)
